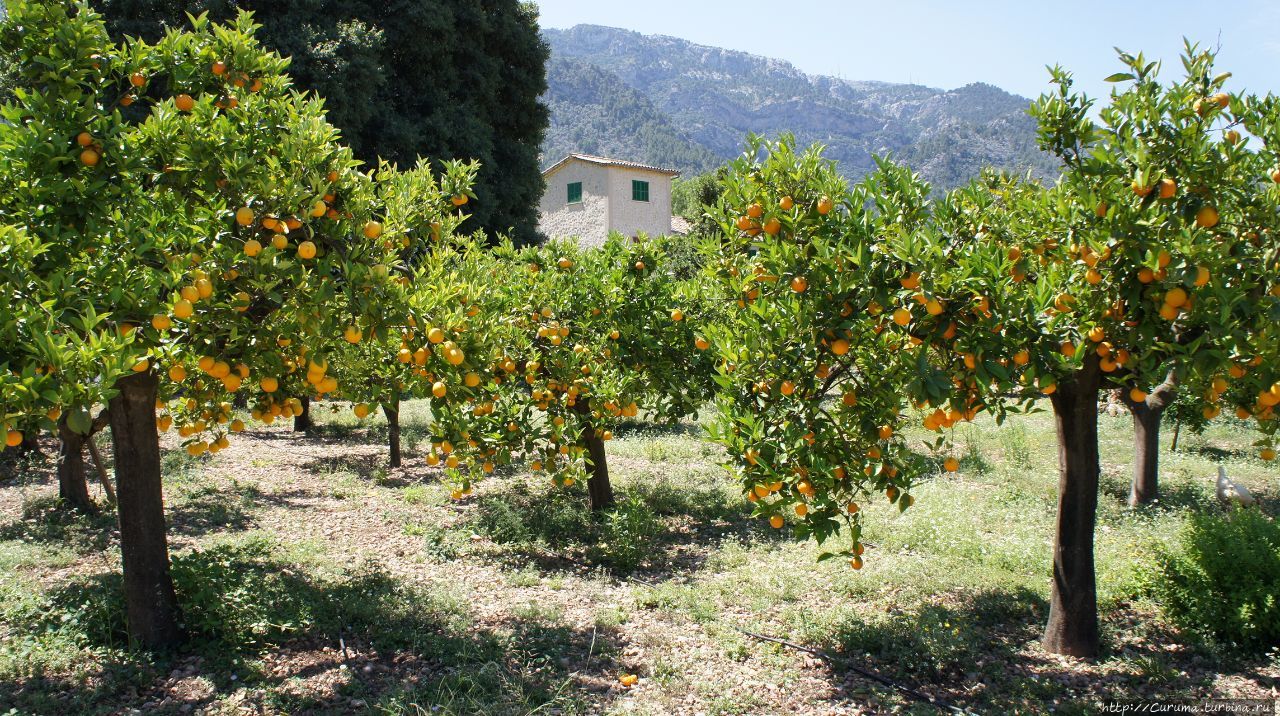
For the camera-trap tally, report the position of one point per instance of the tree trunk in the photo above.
(1146, 440)
(150, 601)
(599, 489)
(30, 441)
(1177, 431)
(392, 411)
(1073, 608)
(73, 487)
(302, 421)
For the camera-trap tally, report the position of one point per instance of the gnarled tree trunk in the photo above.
(1073, 607)
(599, 489)
(302, 421)
(73, 485)
(392, 410)
(150, 601)
(1146, 440)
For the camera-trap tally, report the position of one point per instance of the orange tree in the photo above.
(425, 269)
(1143, 263)
(593, 336)
(820, 358)
(193, 215)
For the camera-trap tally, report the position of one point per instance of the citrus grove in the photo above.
(1154, 257)
(193, 234)
(187, 246)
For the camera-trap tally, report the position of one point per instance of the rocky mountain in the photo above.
(668, 101)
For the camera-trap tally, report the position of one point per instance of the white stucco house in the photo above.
(588, 197)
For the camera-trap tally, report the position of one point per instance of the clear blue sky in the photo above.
(950, 43)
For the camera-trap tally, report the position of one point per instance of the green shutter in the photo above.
(639, 190)
(575, 192)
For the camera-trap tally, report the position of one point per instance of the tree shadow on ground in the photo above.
(211, 508)
(980, 650)
(360, 641)
(47, 521)
(658, 529)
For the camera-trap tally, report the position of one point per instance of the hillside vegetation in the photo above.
(667, 101)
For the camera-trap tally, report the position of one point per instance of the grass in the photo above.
(314, 579)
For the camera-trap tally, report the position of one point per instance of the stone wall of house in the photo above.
(630, 217)
(587, 220)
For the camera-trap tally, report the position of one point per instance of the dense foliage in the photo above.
(447, 79)
(1222, 578)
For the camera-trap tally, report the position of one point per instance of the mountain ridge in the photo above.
(698, 103)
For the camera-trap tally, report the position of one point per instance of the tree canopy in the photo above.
(449, 79)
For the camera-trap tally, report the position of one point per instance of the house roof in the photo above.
(606, 161)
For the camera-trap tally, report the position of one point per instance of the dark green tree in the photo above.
(449, 79)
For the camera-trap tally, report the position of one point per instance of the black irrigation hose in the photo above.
(918, 696)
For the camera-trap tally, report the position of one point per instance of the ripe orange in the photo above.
(252, 248)
(219, 68)
(439, 389)
(1137, 395)
(306, 250)
(802, 509)
(177, 373)
(269, 384)
(1275, 175)
(84, 139)
(799, 283)
(825, 205)
(1267, 454)
(1140, 189)
(372, 230)
(701, 343)
(459, 199)
(1168, 188)
(902, 316)
(89, 158)
(776, 522)
(951, 464)
(13, 438)
(1202, 276)
(183, 309)
(353, 334)
(1222, 99)
(755, 211)
(840, 346)
(184, 102)
(787, 387)
(279, 242)
(161, 322)
(137, 79)
(1176, 297)
(786, 203)
(1207, 217)
(677, 315)
(1146, 275)
(244, 216)
(772, 227)
(318, 209)
(856, 563)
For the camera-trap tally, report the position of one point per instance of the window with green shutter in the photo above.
(575, 192)
(639, 190)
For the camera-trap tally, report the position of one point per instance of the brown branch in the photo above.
(102, 469)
